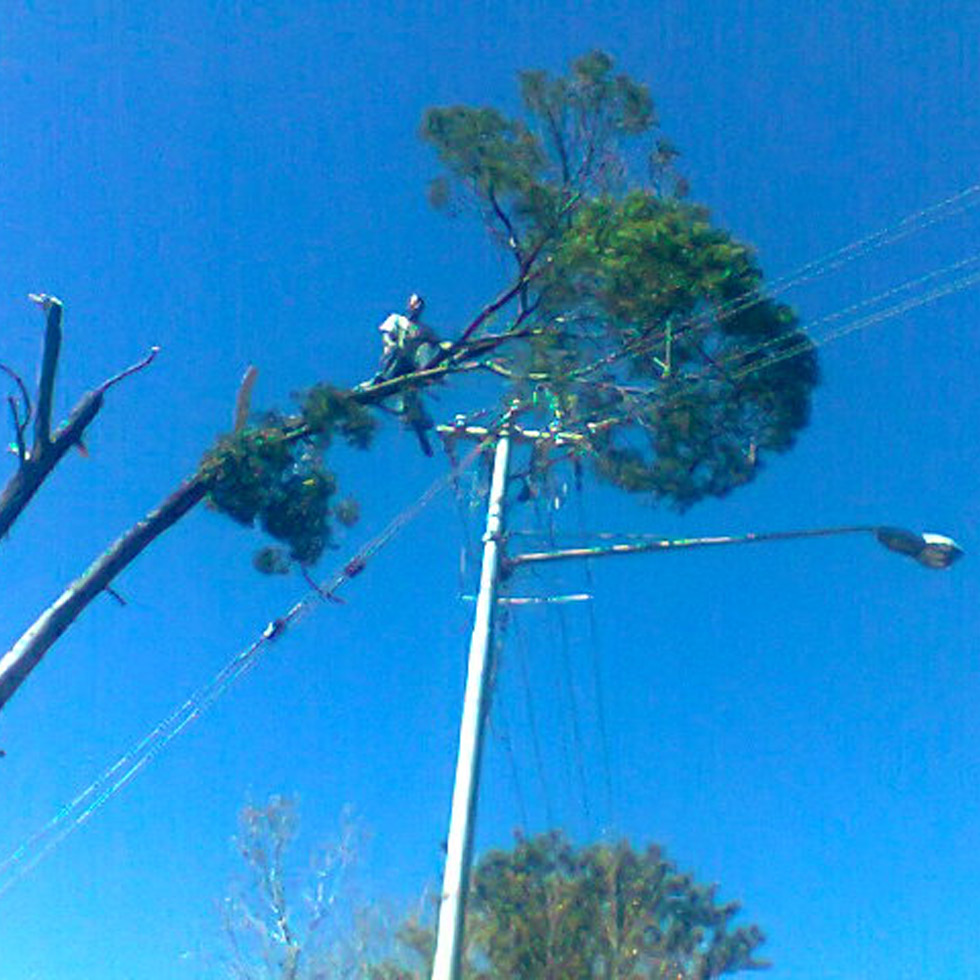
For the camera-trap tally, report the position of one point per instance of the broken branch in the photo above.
(23, 391)
(49, 367)
(132, 369)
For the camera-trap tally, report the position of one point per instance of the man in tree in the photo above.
(408, 345)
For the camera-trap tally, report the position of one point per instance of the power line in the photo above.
(964, 282)
(502, 729)
(81, 808)
(532, 721)
(910, 225)
(75, 813)
(597, 685)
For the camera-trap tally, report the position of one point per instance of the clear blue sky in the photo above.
(238, 184)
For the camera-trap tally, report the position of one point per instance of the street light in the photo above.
(931, 550)
(928, 549)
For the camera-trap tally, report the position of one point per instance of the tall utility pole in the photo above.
(455, 881)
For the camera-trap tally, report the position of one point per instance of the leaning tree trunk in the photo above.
(38, 462)
(27, 652)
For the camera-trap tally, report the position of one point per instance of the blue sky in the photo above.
(240, 184)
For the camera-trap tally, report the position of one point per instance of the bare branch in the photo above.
(513, 242)
(495, 367)
(22, 486)
(525, 277)
(460, 359)
(559, 143)
(28, 409)
(132, 369)
(37, 464)
(243, 400)
(523, 280)
(18, 428)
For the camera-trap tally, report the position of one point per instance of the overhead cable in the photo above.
(75, 813)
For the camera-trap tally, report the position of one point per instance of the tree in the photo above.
(650, 329)
(544, 910)
(283, 923)
(36, 462)
(547, 910)
(630, 322)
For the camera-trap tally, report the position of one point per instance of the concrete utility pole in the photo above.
(459, 850)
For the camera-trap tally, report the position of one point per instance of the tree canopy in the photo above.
(631, 323)
(650, 324)
(641, 325)
(547, 910)
(543, 910)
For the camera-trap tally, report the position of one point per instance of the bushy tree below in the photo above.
(547, 910)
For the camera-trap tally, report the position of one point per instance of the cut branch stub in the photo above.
(49, 367)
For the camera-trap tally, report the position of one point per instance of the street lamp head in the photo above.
(940, 551)
(931, 550)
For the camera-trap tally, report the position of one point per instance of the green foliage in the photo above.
(645, 326)
(483, 148)
(569, 145)
(273, 474)
(326, 410)
(547, 910)
(347, 512)
(271, 561)
(650, 324)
